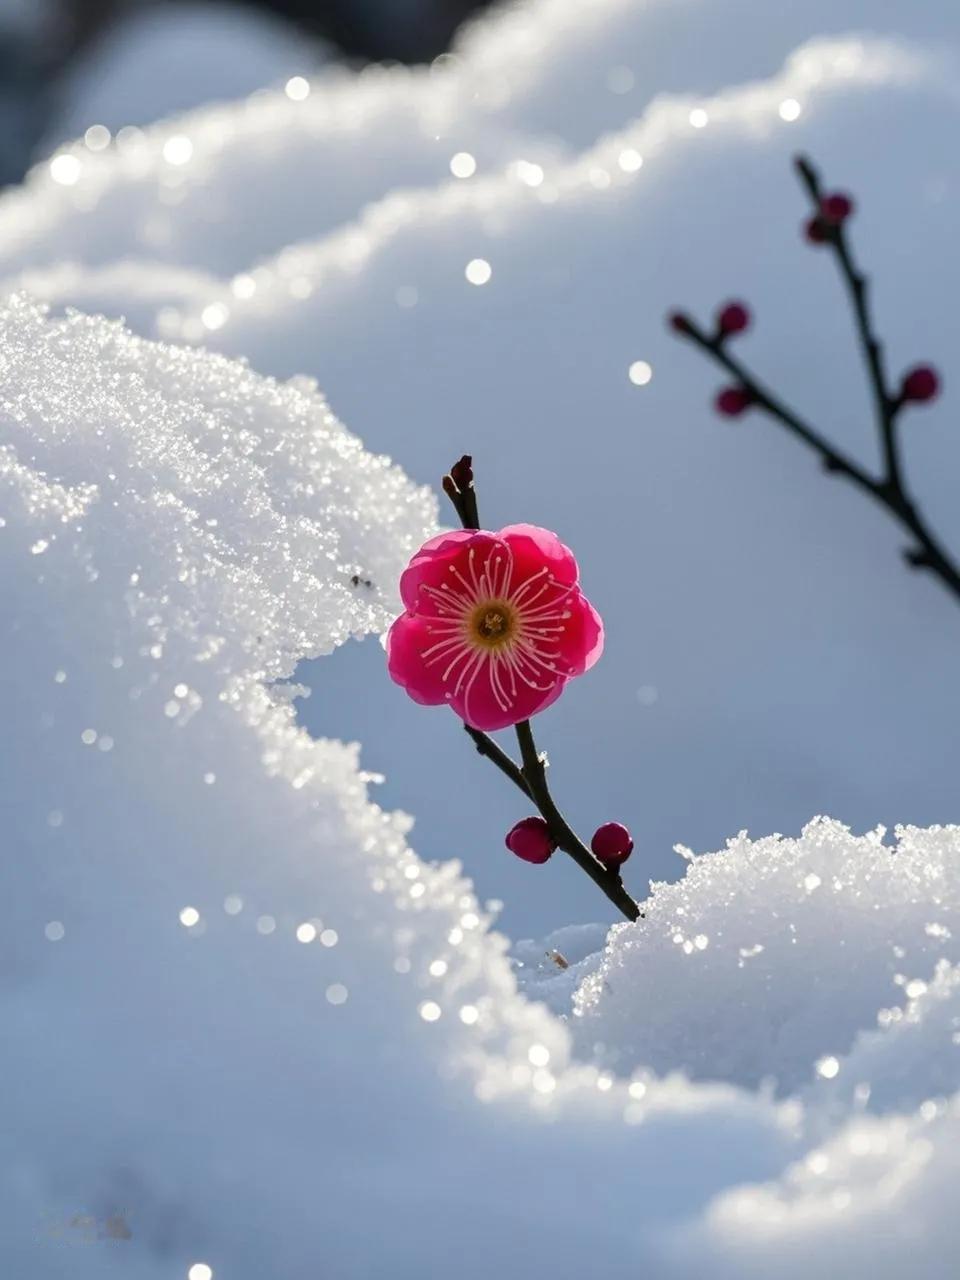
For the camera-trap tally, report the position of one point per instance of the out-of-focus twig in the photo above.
(827, 226)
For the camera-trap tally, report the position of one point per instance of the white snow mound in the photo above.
(785, 950)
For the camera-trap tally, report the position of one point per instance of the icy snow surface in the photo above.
(234, 1003)
(771, 999)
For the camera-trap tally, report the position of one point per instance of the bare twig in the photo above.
(886, 405)
(487, 747)
(535, 775)
(889, 490)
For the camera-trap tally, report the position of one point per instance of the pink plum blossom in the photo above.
(495, 624)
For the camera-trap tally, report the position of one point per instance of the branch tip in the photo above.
(461, 473)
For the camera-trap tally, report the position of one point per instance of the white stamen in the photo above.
(435, 652)
(464, 653)
(524, 586)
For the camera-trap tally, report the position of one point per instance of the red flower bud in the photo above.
(734, 317)
(920, 384)
(732, 401)
(678, 322)
(836, 208)
(816, 231)
(612, 844)
(530, 840)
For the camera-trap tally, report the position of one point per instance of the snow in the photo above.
(499, 214)
(531, 84)
(748, 932)
(912, 1057)
(385, 128)
(236, 1004)
(841, 933)
(878, 1197)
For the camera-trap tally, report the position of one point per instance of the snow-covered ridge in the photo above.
(98, 241)
(180, 191)
(508, 202)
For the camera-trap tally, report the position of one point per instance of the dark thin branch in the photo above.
(538, 791)
(535, 774)
(487, 747)
(889, 490)
(532, 778)
(886, 405)
(763, 398)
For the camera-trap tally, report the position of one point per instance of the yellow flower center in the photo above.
(493, 623)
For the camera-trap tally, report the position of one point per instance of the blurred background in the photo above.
(65, 64)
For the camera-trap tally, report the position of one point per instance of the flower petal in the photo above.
(483, 706)
(533, 548)
(581, 642)
(446, 562)
(443, 542)
(408, 640)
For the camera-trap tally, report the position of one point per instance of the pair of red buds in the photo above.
(733, 317)
(531, 840)
(834, 210)
(919, 385)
